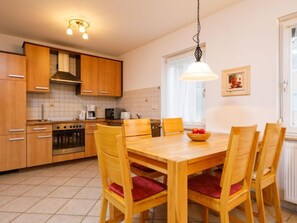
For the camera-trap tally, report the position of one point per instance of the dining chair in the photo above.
(140, 128)
(172, 126)
(266, 168)
(129, 195)
(222, 195)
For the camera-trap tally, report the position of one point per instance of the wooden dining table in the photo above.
(178, 157)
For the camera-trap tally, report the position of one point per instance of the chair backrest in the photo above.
(113, 158)
(240, 158)
(270, 149)
(172, 126)
(140, 128)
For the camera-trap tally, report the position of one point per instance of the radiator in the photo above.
(290, 171)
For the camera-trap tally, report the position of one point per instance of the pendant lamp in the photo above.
(198, 71)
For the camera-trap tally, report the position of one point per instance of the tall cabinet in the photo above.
(13, 111)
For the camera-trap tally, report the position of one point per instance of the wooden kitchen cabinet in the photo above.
(38, 67)
(39, 145)
(90, 146)
(12, 66)
(110, 77)
(12, 151)
(88, 75)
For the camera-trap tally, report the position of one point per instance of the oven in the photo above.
(68, 138)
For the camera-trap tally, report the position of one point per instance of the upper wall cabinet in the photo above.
(38, 67)
(13, 67)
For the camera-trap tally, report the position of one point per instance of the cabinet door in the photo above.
(38, 68)
(12, 152)
(110, 77)
(12, 66)
(90, 146)
(39, 148)
(13, 107)
(89, 75)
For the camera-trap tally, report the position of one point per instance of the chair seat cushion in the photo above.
(143, 168)
(209, 185)
(142, 188)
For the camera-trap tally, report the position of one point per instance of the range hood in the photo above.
(63, 76)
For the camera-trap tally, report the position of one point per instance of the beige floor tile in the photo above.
(32, 218)
(65, 192)
(49, 172)
(36, 180)
(16, 190)
(90, 219)
(89, 193)
(160, 212)
(40, 191)
(65, 219)
(95, 211)
(5, 199)
(8, 217)
(77, 182)
(12, 179)
(77, 167)
(4, 187)
(48, 206)
(20, 204)
(292, 219)
(68, 173)
(95, 182)
(56, 181)
(89, 174)
(77, 207)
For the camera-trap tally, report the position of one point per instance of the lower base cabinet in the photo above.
(90, 146)
(12, 152)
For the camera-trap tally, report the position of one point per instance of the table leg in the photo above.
(177, 205)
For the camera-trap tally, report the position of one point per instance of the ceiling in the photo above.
(117, 26)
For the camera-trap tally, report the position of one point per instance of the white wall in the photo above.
(243, 34)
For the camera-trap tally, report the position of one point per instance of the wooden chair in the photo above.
(222, 195)
(129, 195)
(266, 168)
(172, 126)
(140, 128)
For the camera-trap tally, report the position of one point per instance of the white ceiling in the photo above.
(117, 26)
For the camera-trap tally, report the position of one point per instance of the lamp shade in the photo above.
(199, 71)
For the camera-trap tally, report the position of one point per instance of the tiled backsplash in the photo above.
(145, 102)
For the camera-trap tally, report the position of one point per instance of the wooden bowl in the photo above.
(199, 137)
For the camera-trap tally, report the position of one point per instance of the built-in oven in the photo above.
(68, 138)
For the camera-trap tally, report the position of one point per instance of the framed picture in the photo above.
(236, 81)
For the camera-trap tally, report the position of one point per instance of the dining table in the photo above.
(178, 157)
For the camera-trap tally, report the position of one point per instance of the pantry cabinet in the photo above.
(90, 146)
(39, 145)
(38, 67)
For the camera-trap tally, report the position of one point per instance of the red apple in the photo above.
(201, 131)
(195, 131)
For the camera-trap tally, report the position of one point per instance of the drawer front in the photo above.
(39, 128)
(90, 127)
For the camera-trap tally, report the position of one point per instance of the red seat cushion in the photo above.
(143, 168)
(209, 185)
(142, 188)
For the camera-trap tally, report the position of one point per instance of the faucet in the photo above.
(42, 112)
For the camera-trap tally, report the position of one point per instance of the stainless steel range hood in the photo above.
(63, 76)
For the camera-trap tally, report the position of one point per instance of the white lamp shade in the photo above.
(69, 31)
(85, 36)
(199, 71)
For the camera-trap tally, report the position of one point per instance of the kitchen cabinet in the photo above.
(12, 67)
(88, 75)
(90, 146)
(38, 67)
(39, 145)
(110, 77)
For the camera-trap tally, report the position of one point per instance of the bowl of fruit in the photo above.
(198, 134)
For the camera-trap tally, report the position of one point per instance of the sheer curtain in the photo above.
(183, 98)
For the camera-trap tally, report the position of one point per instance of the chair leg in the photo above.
(224, 216)
(276, 200)
(103, 210)
(128, 217)
(249, 209)
(205, 214)
(144, 216)
(260, 205)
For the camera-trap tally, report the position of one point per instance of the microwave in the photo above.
(113, 113)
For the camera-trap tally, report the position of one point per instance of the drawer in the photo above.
(39, 128)
(93, 126)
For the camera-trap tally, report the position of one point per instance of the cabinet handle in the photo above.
(16, 139)
(87, 91)
(89, 133)
(103, 92)
(16, 130)
(41, 88)
(38, 129)
(16, 76)
(44, 137)
(93, 125)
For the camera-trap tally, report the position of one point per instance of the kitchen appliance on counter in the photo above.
(68, 138)
(91, 112)
(113, 113)
(125, 115)
(82, 115)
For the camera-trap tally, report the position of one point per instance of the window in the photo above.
(182, 98)
(288, 64)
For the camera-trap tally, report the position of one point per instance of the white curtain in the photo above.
(183, 98)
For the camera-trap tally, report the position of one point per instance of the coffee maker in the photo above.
(91, 112)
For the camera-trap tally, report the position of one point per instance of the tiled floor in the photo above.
(70, 193)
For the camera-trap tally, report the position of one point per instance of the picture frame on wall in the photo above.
(236, 81)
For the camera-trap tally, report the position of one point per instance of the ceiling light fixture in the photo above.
(198, 71)
(78, 23)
